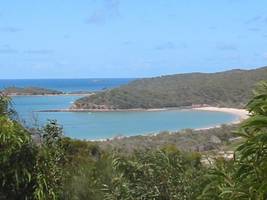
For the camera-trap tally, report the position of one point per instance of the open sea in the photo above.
(93, 126)
(67, 85)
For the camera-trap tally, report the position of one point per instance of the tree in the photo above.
(28, 170)
(246, 176)
(49, 163)
(17, 156)
(159, 175)
(5, 105)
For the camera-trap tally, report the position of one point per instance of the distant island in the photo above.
(32, 91)
(222, 89)
(17, 91)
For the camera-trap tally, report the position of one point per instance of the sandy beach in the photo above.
(242, 114)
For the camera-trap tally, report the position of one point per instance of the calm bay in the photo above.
(104, 125)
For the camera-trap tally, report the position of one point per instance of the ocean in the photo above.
(67, 85)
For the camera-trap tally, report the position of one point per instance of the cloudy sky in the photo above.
(129, 38)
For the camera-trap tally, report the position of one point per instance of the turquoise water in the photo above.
(104, 125)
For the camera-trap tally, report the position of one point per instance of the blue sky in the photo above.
(126, 38)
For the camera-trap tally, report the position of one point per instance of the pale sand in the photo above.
(242, 114)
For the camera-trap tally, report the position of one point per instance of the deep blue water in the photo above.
(110, 124)
(67, 85)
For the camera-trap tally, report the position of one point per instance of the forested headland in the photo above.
(225, 89)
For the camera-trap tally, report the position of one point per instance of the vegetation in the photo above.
(187, 140)
(30, 91)
(246, 176)
(28, 170)
(231, 89)
(62, 168)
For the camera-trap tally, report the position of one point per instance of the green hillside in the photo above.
(230, 88)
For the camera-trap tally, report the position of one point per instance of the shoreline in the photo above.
(241, 114)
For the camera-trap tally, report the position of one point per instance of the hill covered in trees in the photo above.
(230, 88)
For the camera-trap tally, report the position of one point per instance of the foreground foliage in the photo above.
(246, 176)
(155, 175)
(28, 170)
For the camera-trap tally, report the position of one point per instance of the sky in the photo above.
(129, 38)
